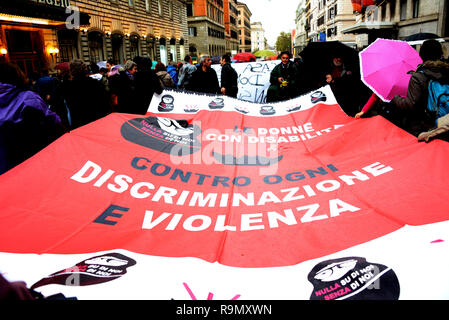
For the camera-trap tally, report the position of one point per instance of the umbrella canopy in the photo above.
(320, 53)
(245, 57)
(385, 65)
(421, 36)
(265, 53)
(317, 58)
(101, 64)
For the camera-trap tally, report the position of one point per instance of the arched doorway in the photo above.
(151, 47)
(173, 55)
(134, 45)
(95, 43)
(117, 48)
(163, 50)
(182, 52)
(193, 52)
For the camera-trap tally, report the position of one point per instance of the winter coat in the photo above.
(415, 119)
(26, 125)
(204, 81)
(173, 73)
(346, 86)
(185, 75)
(86, 99)
(278, 91)
(229, 80)
(166, 79)
(122, 86)
(147, 84)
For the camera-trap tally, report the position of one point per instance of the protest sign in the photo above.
(253, 79)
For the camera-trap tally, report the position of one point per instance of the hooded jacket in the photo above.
(416, 119)
(26, 125)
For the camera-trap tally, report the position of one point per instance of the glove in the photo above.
(284, 83)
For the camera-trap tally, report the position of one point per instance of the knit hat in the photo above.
(129, 65)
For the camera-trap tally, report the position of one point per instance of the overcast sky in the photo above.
(276, 16)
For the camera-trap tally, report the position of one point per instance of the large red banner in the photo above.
(241, 184)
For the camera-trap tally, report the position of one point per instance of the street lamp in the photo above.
(3, 52)
(53, 53)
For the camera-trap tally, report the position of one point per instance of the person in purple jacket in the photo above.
(27, 125)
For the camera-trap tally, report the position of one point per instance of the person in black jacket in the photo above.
(414, 117)
(86, 98)
(204, 79)
(146, 85)
(229, 77)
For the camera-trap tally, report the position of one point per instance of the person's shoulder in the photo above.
(32, 99)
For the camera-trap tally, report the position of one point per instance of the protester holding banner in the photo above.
(340, 76)
(204, 79)
(147, 83)
(27, 125)
(416, 119)
(185, 73)
(122, 87)
(282, 80)
(86, 98)
(229, 77)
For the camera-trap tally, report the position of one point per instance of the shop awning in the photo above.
(19, 10)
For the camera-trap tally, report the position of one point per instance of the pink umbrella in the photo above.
(385, 65)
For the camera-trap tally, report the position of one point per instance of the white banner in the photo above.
(254, 79)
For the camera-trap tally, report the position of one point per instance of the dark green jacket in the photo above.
(275, 91)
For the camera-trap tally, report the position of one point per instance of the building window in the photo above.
(159, 7)
(189, 10)
(68, 45)
(415, 8)
(403, 15)
(131, 3)
(192, 31)
(147, 5)
(170, 10)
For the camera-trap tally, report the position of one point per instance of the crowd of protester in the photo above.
(35, 111)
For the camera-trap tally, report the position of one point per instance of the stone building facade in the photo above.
(231, 27)
(39, 34)
(257, 37)
(206, 28)
(244, 23)
(327, 18)
(123, 29)
(398, 19)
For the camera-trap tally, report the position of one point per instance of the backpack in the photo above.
(438, 100)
